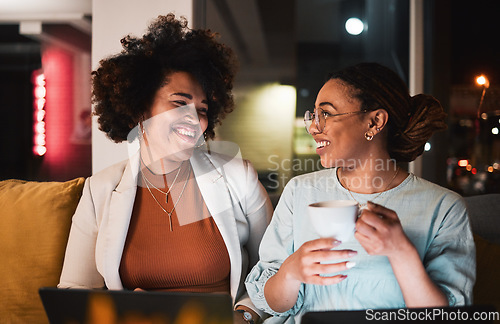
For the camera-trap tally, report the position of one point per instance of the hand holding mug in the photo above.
(379, 231)
(305, 265)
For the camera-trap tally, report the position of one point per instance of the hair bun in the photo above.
(426, 117)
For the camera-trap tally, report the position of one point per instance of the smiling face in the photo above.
(342, 142)
(177, 119)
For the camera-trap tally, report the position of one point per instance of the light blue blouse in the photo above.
(434, 219)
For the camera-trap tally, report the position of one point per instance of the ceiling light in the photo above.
(354, 26)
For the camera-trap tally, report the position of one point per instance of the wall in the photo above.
(262, 126)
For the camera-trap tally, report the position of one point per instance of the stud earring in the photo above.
(369, 135)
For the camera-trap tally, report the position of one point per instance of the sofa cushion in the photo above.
(484, 215)
(34, 227)
(488, 267)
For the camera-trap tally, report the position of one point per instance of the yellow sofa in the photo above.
(34, 227)
(35, 218)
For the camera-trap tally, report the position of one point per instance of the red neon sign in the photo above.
(39, 92)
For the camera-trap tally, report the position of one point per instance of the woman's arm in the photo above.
(79, 268)
(257, 209)
(304, 266)
(380, 232)
(417, 287)
(275, 283)
(258, 212)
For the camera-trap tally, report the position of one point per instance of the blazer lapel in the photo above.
(116, 228)
(211, 181)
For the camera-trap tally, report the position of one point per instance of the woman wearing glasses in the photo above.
(412, 246)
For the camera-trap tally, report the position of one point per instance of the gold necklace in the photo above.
(169, 213)
(152, 185)
(386, 188)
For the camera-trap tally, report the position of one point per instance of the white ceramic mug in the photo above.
(334, 218)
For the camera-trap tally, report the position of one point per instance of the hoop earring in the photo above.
(141, 127)
(369, 135)
(142, 133)
(205, 137)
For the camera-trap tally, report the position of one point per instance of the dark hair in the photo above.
(412, 119)
(124, 85)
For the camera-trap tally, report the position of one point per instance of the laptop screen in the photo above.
(124, 306)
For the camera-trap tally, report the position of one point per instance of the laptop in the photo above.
(463, 314)
(85, 306)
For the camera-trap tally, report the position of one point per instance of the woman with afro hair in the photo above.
(175, 216)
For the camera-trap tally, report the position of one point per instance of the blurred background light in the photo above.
(483, 81)
(354, 26)
(39, 113)
(40, 150)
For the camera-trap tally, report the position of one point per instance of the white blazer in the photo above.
(230, 188)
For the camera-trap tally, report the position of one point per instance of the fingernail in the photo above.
(350, 264)
(352, 253)
(336, 242)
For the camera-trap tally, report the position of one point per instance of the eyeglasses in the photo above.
(320, 118)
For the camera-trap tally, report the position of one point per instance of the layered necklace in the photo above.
(155, 187)
(149, 183)
(380, 193)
